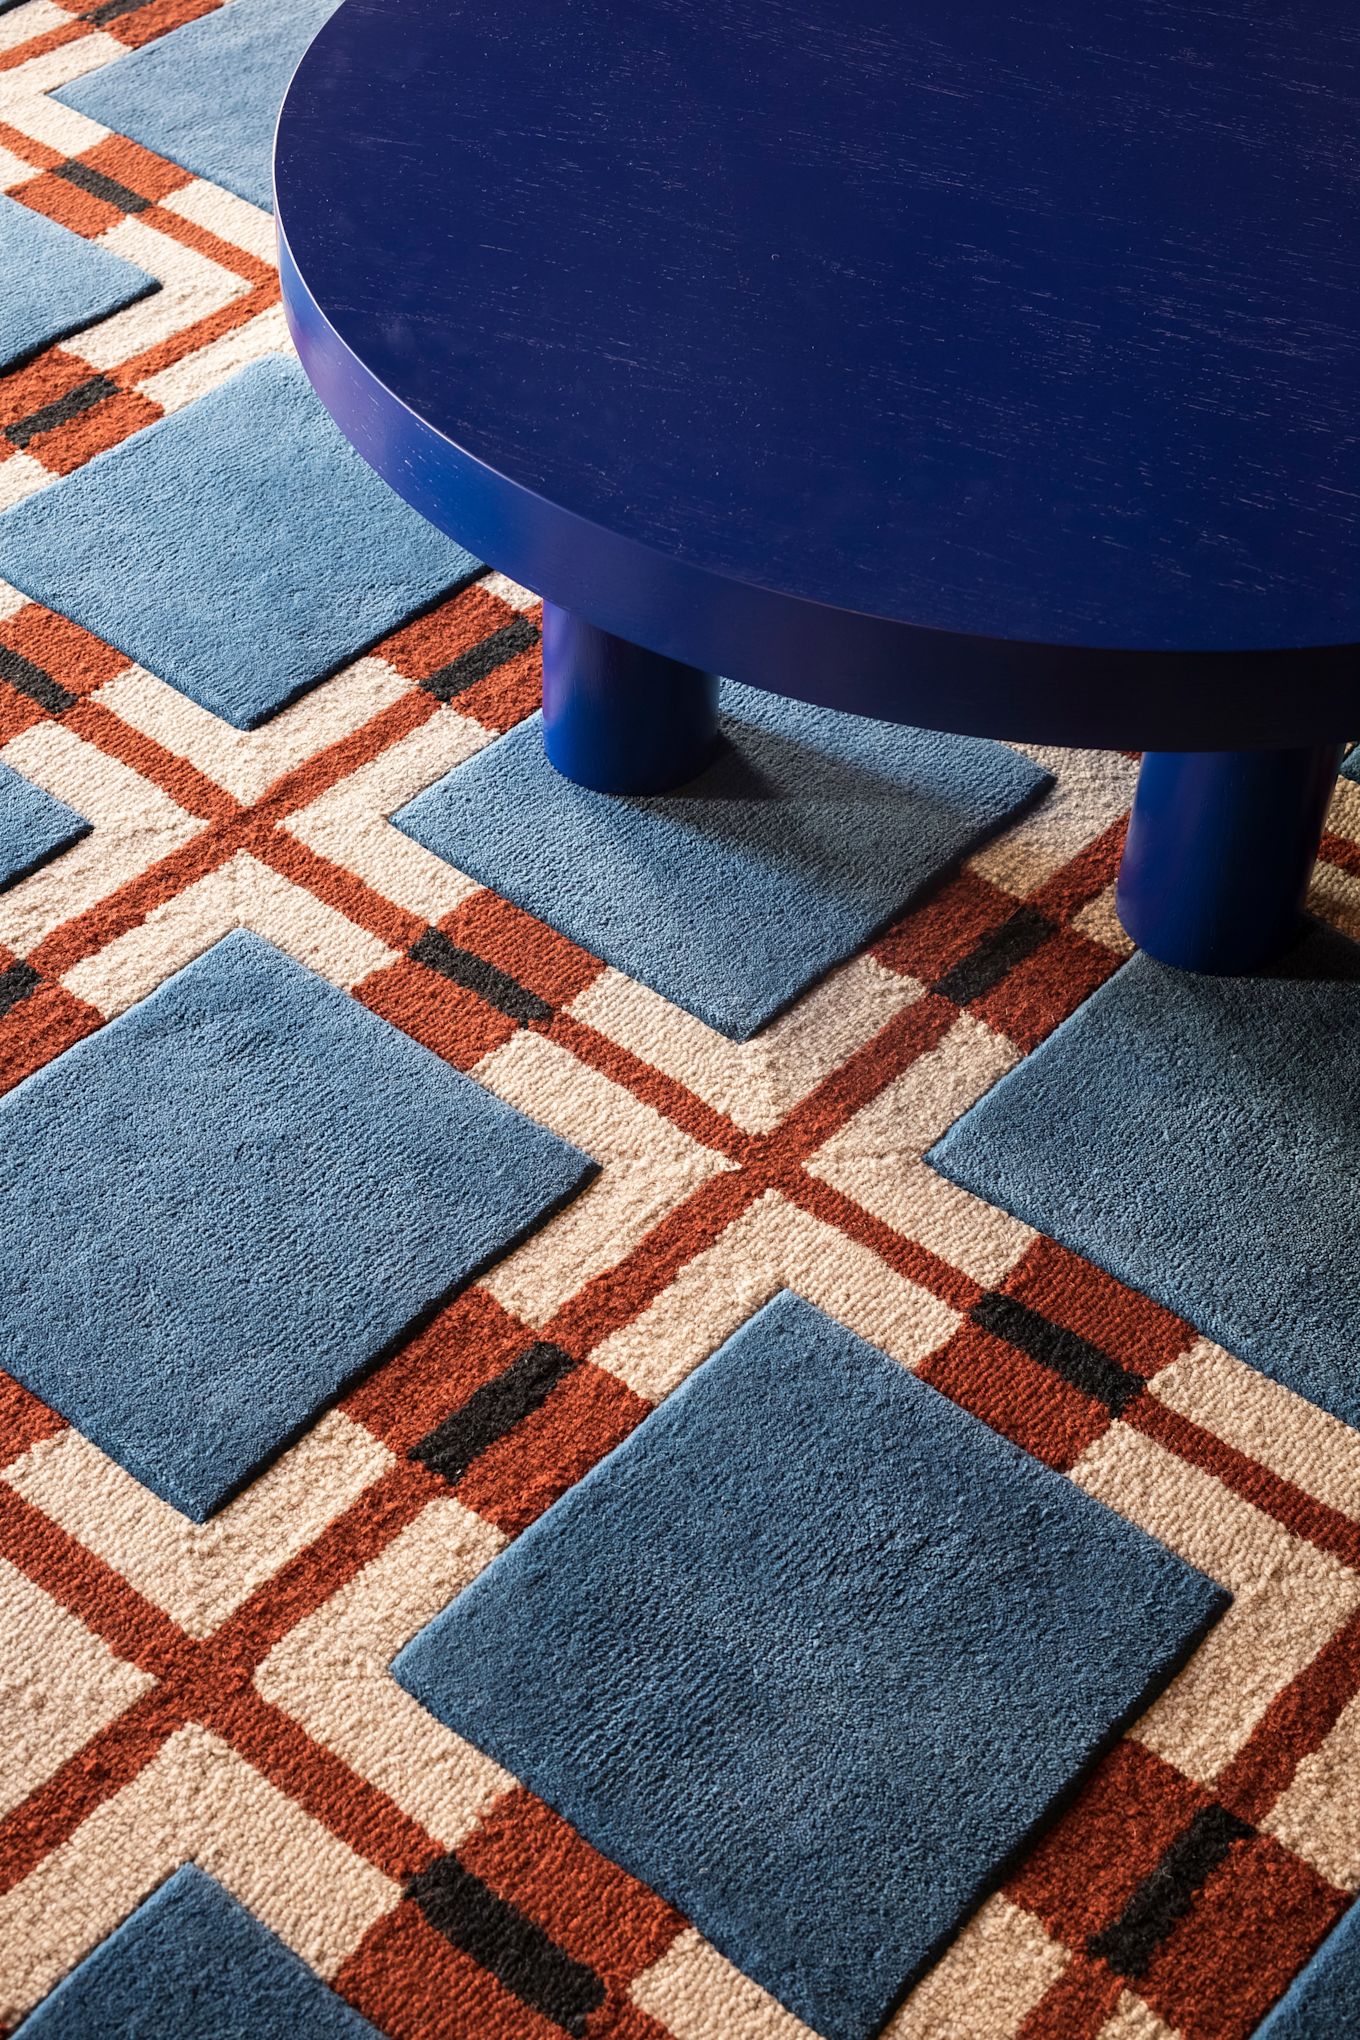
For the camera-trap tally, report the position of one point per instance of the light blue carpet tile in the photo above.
(53, 281)
(1197, 1137)
(34, 826)
(809, 833)
(239, 548)
(192, 1964)
(1323, 2002)
(208, 94)
(225, 1203)
(810, 1653)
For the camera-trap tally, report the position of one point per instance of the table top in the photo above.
(891, 352)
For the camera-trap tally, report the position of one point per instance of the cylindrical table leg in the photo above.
(1220, 848)
(618, 718)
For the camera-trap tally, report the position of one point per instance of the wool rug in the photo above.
(805, 1496)
(803, 837)
(54, 282)
(34, 826)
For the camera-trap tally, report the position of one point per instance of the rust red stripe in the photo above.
(621, 1294)
(1297, 1722)
(133, 1627)
(903, 1255)
(1076, 2004)
(129, 905)
(39, 45)
(910, 1034)
(25, 148)
(226, 254)
(1300, 1513)
(335, 887)
(349, 1542)
(1088, 873)
(1340, 850)
(138, 368)
(96, 1773)
(189, 788)
(357, 1812)
(703, 1122)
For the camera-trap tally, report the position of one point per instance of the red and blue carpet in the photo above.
(685, 1470)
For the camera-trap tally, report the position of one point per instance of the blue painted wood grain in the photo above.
(993, 368)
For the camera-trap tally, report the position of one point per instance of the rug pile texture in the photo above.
(776, 1458)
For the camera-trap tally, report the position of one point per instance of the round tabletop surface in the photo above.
(1036, 321)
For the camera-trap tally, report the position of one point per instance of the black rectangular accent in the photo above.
(1019, 935)
(1167, 1893)
(15, 984)
(492, 1410)
(99, 186)
(113, 10)
(61, 410)
(475, 974)
(34, 682)
(495, 1933)
(474, 664)
(1075, 1359)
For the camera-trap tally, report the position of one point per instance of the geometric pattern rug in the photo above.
(220, 1694)
(1171, 1114)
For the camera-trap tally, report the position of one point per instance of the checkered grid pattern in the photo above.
(221, 1691)
(212, 254)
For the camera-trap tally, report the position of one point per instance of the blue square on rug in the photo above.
(239, 548)
(232, 1198)
(811, 1653)
(810, 831)
(55, 282)
(34, 826)
(1323, 2001)
(1197, 1137)
(208, 94)
(192, 1964)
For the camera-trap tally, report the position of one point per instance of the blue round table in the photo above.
(990, 368)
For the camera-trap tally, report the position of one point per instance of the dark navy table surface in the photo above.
(993, 368)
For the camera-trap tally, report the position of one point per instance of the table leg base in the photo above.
(1220, 848)
(618, 718)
